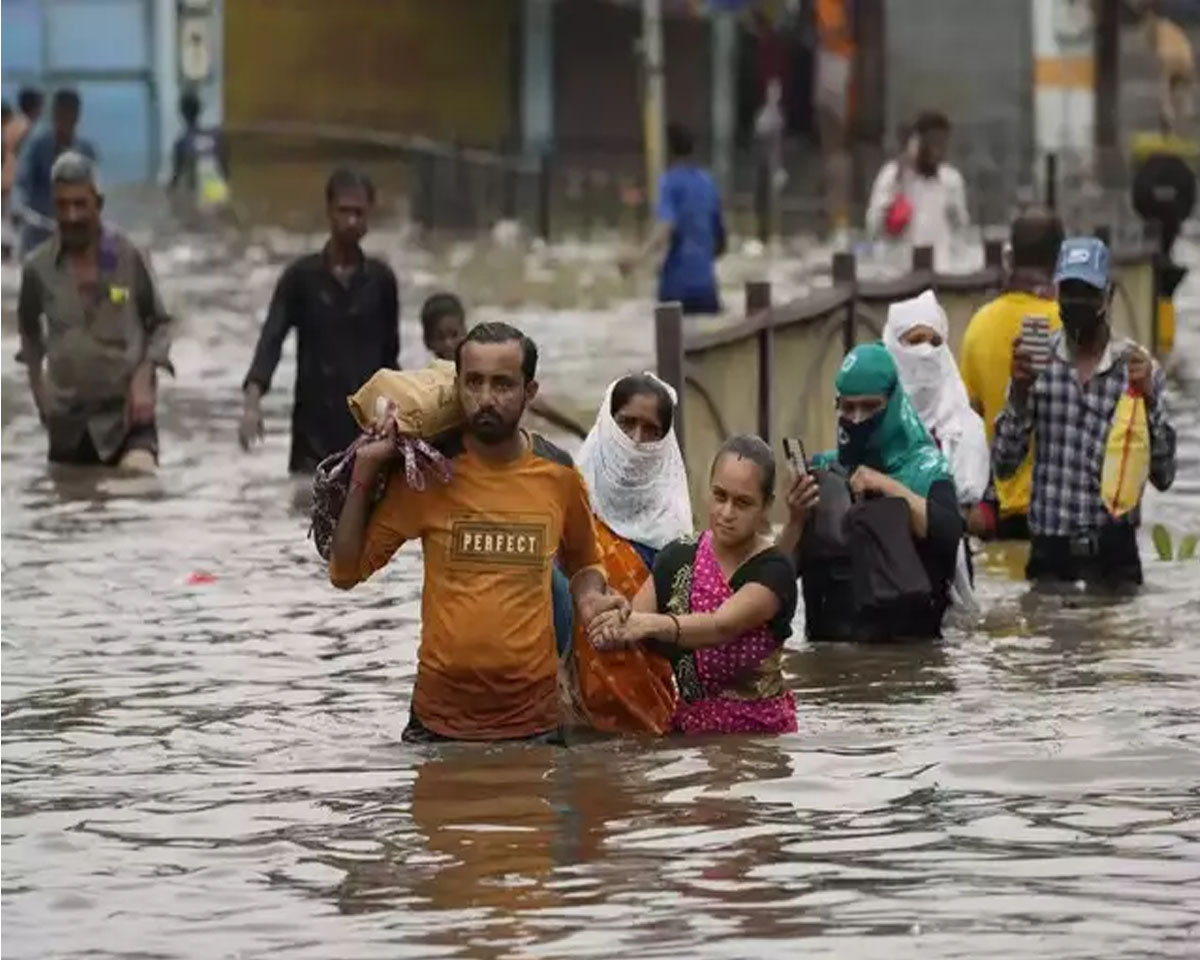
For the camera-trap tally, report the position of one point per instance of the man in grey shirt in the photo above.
(93, 331)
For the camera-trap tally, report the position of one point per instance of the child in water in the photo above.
(444, 324)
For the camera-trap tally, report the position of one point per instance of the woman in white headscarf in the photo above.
(916, 335)
(638, 489)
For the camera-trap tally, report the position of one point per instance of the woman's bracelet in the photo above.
(678, 629)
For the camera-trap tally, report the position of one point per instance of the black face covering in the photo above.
(1082, 322)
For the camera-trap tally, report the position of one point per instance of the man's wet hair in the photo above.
(930, 121)
(497, 332)
(343, 178)
(190, 106)
(1035, 236)
(30, 100)
(436, 307)
(75, 169)
(66, 99)
(749, 447)
(644, 385)
(680, 140)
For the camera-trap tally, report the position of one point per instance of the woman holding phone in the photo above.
(884, 451)
(720, 605)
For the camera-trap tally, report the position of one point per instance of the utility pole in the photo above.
(653, 98)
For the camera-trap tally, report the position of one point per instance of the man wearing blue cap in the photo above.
(1070, 402)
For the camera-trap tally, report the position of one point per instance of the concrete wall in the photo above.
(441, 68)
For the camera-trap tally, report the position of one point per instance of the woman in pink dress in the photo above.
(720, 605)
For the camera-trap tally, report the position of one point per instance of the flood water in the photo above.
(201, 754)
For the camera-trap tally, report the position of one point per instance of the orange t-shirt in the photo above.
(487, 665)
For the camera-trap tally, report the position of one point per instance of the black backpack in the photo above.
(826, 538)
(888, 580)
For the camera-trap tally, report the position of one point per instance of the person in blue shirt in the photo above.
(689, 230)
(42, 148)
(200, 160)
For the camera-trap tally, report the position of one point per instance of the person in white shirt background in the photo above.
(918, 199)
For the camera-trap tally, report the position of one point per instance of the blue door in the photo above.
(104, 50)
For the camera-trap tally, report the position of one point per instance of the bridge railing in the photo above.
(771, 371)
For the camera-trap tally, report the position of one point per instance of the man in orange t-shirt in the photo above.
(487, 665)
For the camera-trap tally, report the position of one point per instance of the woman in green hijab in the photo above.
(885, 452)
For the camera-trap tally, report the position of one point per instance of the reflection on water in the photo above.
(201, 753)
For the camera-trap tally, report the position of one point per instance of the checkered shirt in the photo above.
(1071, 424)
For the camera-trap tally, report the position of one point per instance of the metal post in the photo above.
(922, 259)
(724, 95)
(845, 274)
(1107, 59)
(652, 95)
(758, 301)
(668, 346)
(993, 254)
(544, 195)
(1051, 181)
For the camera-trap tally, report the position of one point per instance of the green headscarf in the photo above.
(899, 446)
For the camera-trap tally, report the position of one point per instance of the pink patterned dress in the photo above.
(738, 686)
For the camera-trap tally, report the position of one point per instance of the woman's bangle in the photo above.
(678, 629)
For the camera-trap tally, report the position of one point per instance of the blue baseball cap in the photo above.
(1084, 259)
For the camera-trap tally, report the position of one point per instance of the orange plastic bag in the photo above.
(1126, 455)
(426, 400)
(622, 691)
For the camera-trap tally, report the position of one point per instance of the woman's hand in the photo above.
(802, 498)
(609, 633)
(866, 480)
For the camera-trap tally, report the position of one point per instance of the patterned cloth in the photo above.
(738, 686)
(331, 483)
(1072, 423)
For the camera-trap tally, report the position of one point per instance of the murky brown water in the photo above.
(213, 770)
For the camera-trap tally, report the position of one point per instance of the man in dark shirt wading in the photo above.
(345, 307)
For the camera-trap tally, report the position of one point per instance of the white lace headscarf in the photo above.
(639, 489)
(933, 384)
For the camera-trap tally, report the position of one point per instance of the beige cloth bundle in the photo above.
(425, 401)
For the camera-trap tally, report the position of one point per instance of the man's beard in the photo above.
(75, 236)
(490, 428)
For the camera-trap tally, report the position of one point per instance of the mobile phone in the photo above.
(1035, 340)
(793, 449)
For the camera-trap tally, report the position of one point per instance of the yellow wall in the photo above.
(442, 68)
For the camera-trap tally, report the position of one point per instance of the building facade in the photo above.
(128, 59)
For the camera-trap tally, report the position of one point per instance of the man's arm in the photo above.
(176, 163)
(1014, 427)
(582, 558)
(33, 345)
(391, 321)
(1162, 433)
(266, 358)
(883, 192)
(275, 330)
(25, 169)
(154, 317)
(365, 539)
